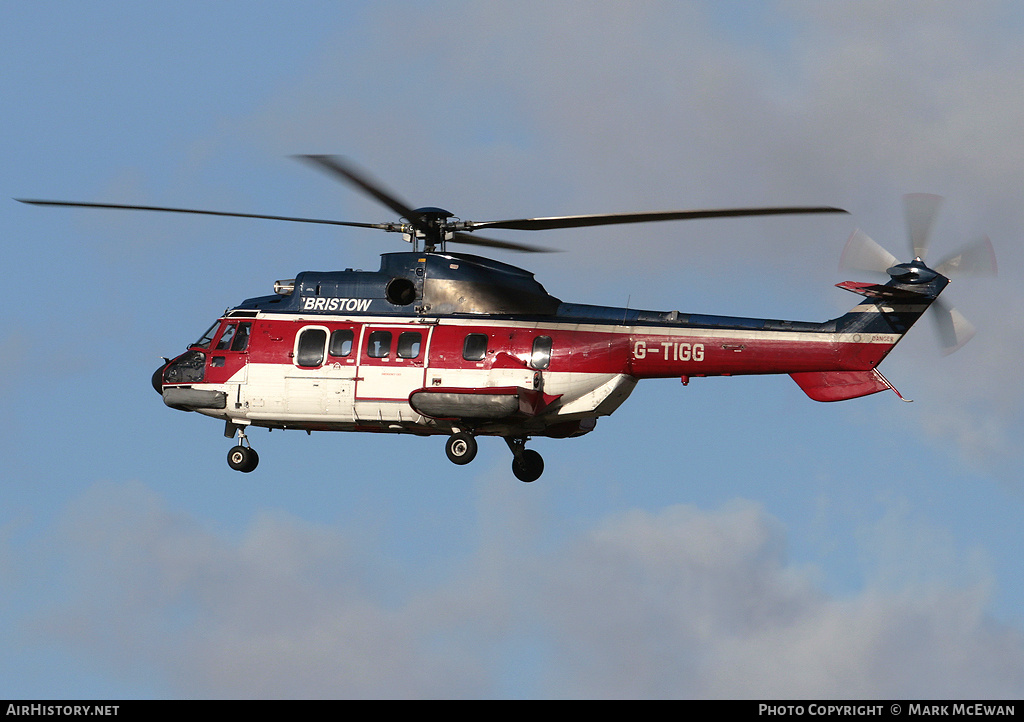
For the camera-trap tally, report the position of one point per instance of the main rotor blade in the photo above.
(920, 210)
(861, 253)
(494, 243)
(954, 328)
(118, 206)
(338, 166)
(542, 224)
(976, 259)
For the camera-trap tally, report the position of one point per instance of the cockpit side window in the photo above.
(207, 337)
(225, 338)
(241, 341)
(235, 337)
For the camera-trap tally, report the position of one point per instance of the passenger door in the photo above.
(323, 376)
(391, 362)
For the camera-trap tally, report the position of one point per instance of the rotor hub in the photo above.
(431, 226)
(433, 214)
(913, 272)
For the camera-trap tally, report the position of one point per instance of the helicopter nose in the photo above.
(158, 378)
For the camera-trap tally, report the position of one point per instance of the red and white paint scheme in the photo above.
(550, 369)
(465, 346)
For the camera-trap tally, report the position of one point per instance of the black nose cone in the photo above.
(158, 379)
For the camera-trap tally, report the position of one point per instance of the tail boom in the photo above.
(830, 361)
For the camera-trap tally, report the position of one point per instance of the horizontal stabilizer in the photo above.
(874, 290)
(841, 385)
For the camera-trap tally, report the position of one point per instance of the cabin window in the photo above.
(379, 345)
(475, 347)
(409, 343)
(311, 347)
(341, 342)
(541, 356)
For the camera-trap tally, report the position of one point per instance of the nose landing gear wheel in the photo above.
(243, 458)
(460, 448)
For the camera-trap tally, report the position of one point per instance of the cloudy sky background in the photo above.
(729, 538)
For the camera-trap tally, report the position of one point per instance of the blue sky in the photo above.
(729, 538)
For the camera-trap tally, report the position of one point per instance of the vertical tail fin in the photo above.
(890, 309)
(867, 334)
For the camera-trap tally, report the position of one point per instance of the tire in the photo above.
(243, 458)
(530, 468)
(460, 448)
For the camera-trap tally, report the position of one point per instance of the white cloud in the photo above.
(691, 603)
(288, 610)
(676, 603)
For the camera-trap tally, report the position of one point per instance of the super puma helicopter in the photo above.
(437, 342)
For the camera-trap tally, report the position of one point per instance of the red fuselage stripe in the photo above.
(642, 352)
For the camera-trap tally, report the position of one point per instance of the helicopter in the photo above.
(447, 343)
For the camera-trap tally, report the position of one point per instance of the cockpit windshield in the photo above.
(207, 337)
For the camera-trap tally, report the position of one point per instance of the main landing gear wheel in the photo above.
(460, 448)
(243, 458)
(527, 464)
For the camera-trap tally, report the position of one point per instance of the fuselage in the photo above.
(440, 343)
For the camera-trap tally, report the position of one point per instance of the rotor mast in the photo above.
(431, 228)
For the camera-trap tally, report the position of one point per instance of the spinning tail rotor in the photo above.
(978, 259)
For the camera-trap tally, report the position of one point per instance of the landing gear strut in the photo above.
(460, 448)
(527, 464)
(243, 458)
